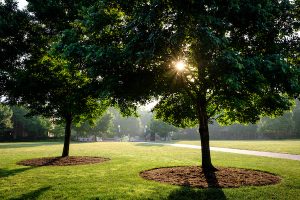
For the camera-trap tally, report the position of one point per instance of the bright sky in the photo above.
(22, 3)
(150, 105)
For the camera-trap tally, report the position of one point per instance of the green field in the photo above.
(119, 178)
(280, 146)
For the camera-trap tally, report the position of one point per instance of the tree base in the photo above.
(194, 176)
(209, 168)
(63, 161)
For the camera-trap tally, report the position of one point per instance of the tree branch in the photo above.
(213, 112)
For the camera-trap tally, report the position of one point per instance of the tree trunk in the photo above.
(204, 135)
(68, 119)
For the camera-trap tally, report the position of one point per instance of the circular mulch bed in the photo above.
(62, 161)
(194, 176)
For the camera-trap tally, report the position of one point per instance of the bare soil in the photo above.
(194, 176)
(62, 161)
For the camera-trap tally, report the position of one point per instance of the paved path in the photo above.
(239, 151)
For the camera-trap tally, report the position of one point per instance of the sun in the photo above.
(180, 65)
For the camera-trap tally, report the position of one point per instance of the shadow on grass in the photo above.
(11, 172)
(35, 194)
(211, 193)
(22, 145)
(187, 193)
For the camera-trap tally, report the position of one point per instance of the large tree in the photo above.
(54, 78)
(73, 68)
(233, 60)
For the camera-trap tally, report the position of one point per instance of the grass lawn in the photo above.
(280, 146)
(119, 178)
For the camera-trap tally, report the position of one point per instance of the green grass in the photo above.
(280, 146)
(119, 178)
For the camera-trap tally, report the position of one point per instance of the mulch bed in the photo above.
(194, 176)
(62, 161)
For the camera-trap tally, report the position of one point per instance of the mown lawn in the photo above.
(280, 146)
(119, 178)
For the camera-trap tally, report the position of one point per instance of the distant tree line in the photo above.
(285, 126)
(16, 125)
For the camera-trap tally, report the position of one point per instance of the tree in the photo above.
(296, 118)
(161, 128)
(103, 125)
(5, 118)
(125, 125)
(57, 129)
(54, 80)
(75, 55)
(30, 127)
(224, 60)
(283, 124)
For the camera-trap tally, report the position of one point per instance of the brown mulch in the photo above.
(62, 161)
(194, 176)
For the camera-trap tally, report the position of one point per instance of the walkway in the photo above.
(239, 151)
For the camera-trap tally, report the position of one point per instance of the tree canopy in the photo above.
(13, 43)
(55, 77)
(236, 60)
(52, 82)
(73, 66)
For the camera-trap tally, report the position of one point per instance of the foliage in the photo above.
(161, 128)
(13, 43)
(281, 124)
(61, 76)
(57, 130)
(237, 56)
(5, 118)
(35, 126)
(67, 90)
(99, 127)
(296, 118)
